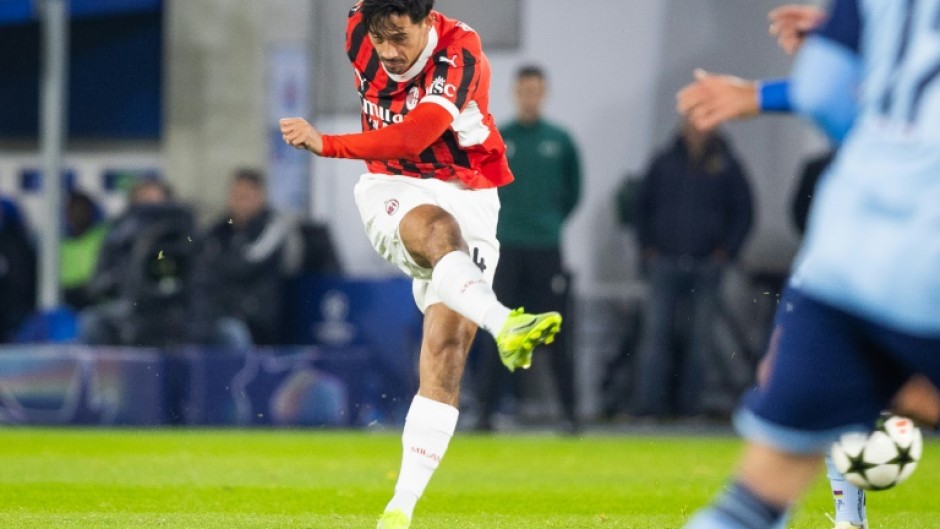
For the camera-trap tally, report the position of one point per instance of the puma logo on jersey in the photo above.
(362, 81)
(452, 61)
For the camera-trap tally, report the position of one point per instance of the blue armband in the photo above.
(774, 96)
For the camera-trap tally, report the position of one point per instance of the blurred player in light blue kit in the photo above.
(861, 315)
(713, 99)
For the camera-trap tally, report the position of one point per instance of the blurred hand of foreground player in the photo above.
(714, 99)
(791, 23)
(297, 132)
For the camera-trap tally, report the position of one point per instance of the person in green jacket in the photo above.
(85, 231)
(531, 272)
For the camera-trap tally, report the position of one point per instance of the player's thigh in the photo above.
(825, 376)
(477, 213)
(383, 201)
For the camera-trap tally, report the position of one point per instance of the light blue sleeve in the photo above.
(824, 85)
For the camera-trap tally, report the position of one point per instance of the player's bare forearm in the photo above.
(714, 99)
(791, 23)
(297, 132)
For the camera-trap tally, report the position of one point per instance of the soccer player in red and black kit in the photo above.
(429, 206)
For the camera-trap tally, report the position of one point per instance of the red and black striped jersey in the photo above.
(451, 72)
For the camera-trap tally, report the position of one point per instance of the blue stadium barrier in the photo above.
(356, 367)
(81, 385)
(56, 384)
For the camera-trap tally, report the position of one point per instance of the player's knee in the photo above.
(430, 233)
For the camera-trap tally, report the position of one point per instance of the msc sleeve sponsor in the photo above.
(454, 78)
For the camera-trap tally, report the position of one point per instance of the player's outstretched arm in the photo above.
(408, 139)
(713, 99)
(791, 23)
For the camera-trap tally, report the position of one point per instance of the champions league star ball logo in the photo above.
(391, 206)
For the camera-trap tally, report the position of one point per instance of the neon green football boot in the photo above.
(395, 519)
(522, 333)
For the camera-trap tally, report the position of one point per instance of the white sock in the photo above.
(428, 429)
(462, 287)
(849, 500)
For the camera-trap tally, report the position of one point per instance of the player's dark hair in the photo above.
(376, 13)
(530, 70)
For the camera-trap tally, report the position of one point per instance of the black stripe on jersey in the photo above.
(468, 74)
(410, 167)
(358, 37)
(384, 98)
(372, 68)
(385, 95)
(442, 66)
(459, 155)
(385, 168)
(428, 156)
(394, 167)
(390, 88)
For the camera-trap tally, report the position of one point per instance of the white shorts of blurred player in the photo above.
(383, 200)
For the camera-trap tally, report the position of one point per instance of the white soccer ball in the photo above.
(882, 458)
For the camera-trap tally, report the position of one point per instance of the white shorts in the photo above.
(383, 200)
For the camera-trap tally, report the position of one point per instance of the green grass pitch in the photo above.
(206, 479)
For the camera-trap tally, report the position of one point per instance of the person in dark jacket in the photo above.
(17, 271)
(139, 286)
(693, 213)
(243, 261)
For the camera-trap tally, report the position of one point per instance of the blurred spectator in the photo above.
(17, 271)
(139, 288)
(531, 273)
(319, 252)
(85, 231)
(243, 262)
(693, 212)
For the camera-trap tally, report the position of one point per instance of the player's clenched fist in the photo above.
(302, 135)
(791, 23)
(714, 99)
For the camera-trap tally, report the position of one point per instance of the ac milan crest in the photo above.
(391, 206)
(414, 95)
